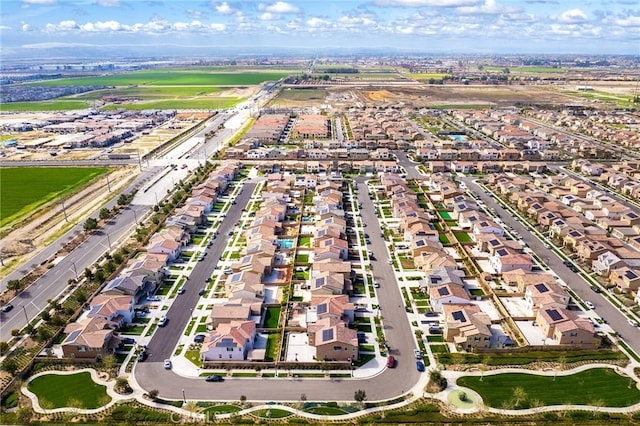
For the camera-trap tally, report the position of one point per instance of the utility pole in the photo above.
(64, 211)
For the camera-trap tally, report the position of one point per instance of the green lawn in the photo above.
(273, 340)
(272, 317)
(26, 188)
(598, 386)
(75, 390)
(463, 237)
(206, 104)
(302, 258)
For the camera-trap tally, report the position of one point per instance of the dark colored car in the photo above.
(8, 307)
(128, 340)
(201, 292)
(596, 289)
(420, 366)
(391, 361)
(199, 338)
(214, 378)
(142, 356)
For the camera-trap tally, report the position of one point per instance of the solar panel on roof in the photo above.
(327, 334)
(73, 335)
(554, 315)
(443, 291)
(541, 288)
(459, 316)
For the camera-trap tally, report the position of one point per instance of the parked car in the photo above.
(214, 378)
(632, 323)
(201, 292)
(167, 364)
(199, 338)
(181, 290)
(431, 314)
(596, 289)
(128, 340)
(7, 308)
(589, 305)
(163, 321)
(417, 353)
(142, 356)
(420, 366)
(391, 362)
(376, 284)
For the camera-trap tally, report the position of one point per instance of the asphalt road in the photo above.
(388, 384)
(582, 288)
(30, 302)
(408, 165)
(166, 338)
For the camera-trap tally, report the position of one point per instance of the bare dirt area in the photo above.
(421, 96)
(25, 239)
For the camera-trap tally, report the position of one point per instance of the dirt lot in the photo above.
(422, 96)
(26, 239)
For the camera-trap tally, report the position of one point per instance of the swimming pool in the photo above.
(458, 137)
(285, 244)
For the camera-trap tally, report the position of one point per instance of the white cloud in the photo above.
(279, 7)
(268, 16)
(224, 8)
(490, 7)
(317, 23)
(39, 1)
(4, 27)
(572, 16)
(629, 21)
(25, 27)
(109, 3)
(103, 27)
(423, 3)
(218, 27)
(355, 22)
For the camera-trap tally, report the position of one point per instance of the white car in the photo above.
(376, 284)
(589, 305)
(417, 353)
(632, 323)
(163, 321)
(167, 364)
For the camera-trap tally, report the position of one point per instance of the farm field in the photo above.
(428, 76)
(598, 386)
(24, 189)
(217, 103)
(51, 105)
(170, 77)
(74, 390)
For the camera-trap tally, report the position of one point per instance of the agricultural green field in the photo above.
(533, 70)
(218, 103)
(52, 105)
(428, 76)
(150, 93)
(170, 77)
(24, 189)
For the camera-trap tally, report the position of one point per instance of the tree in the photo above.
(4, 347)
(88, 274)
(10, 365)
(519, 395)
(243, 398)
(43, 334)
(123, 199)
(153, 394)
(360, 395)
(14, 285)
(122, 384)
(90, 224)
(104, 213)
(46, 316)
(109, 361)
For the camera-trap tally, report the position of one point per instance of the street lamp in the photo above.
(75, 270)
(109, 241)
(184, 398)
(24, 309)
(135, 216)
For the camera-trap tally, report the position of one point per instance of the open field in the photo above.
(170, 77)
(24, 189)
(428, 76)
(203, 104)
(50, 105)
(75, 390)
(598, 386)
(530, 70)
(150, 93)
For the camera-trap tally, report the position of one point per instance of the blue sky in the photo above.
(452, 26)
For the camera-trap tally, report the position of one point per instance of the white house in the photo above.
(229, 342)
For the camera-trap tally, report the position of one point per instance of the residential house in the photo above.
(626, 279)
(547, 295)
(563, 327)
(446, 295)
(467, 326)
(333, 340)
(116, 310)
(229, 342)
(89, 339)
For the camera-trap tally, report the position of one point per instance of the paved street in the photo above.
(390, 383)
(581, 287)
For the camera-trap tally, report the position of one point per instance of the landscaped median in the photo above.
(598, 387)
